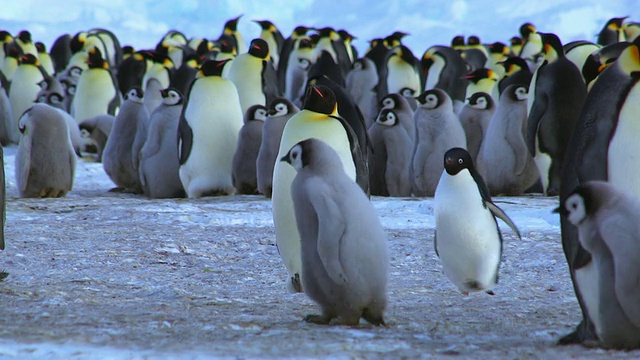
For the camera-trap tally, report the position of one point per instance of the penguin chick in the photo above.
(45, 160)
(467, 239)
(243, 171)
(475, 116)
(606, 218)
(344, 251)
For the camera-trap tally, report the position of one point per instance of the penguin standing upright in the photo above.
(231, 28)
(330, 41)
(467, 238)
(443, 68)
(132, 70)
(532, 48)
(274, 39)
(401, 71)
(289, 45)
(280, 111)
(556, 95)
(244, 159)
(97, 91)
(24, 90)
(318, 119)
(26, 43)
(254, 77)
(45, 59)
(475, 117)
(516, 71)
(602, 147)
(297, 71)
(155, 79)
(438, 129)
(360, 83)
(612, 32)
(208, 132)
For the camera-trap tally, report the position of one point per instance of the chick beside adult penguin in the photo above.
(243, 170)
(345, 261)
(45, 160)
(475, 117)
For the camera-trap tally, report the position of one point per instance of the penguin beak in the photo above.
(561, 210)
(286, 158)
(449, 161)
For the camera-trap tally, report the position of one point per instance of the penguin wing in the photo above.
(538, 109)
(435, 242)
(114, 104)
(620, 232)
(23, 172)
(359, 158)
(269, 82)
(185, 139)
(497, 212)
(331, 229)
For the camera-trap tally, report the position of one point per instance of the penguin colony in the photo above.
(463, 122)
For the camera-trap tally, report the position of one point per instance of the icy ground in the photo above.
(106, 275)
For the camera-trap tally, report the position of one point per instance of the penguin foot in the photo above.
(317, 319)
(296, 283)
(490, 292)
(373, 319)
(583, 334)
(3, 274)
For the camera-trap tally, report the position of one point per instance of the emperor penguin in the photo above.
(397, 146)
(185, 74)
(437, 130)
(254, 76)
(504, 160)
(467, 238)
(481, 80)
(602, 147)
(579, 51)
(443, 68)
(132, 70)
(532, 47)
(600, 59)
(360, 82)
(6, 120)
(280, 111)
(177, 47)
(330, 41)
(556, 95)
(612, 32)
(26, 43)
(159, 163)
(231, 28)
(45, 160)
(157, 77)
(347, 39)
(516, 71)
(274, 39)
(290, 44)
(297, 71)
(208, 132)
(11, 61)
(45, 59)
(243, 171)
(345, 260)
(475, 117)
(60, 53)
(401, 70)
(120, 159)
(401, 105)
(97, 92)
(606, 219)
(319, 118)
(24, 90)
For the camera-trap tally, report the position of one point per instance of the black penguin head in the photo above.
(515, 41)
(24, 36)
(456, 160)
(300, 31)
(326, 32)
(481, 73)
(259, 48)
(552, 46)
(40, 47)
(171, 96)
(387, 117)
(226, 44)
(77, 42)
(345, 36)
(473, 40)
(320, 99)
(134, 94)
(395, 39)
(95, 60)
(280, 106)
(299, 155)
(313, 153)
(498, 48)
(481, 100)
(231, 25)
(212, 67)
(29, 59)
(127, 50)
(431, 99)
(527, 29)
(265, 25)
(457, 42)
(615, 24)
(5, 36)
(513, 64)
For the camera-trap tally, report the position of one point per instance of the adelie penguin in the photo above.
(602, 147)
(467, 239)
(556, 95)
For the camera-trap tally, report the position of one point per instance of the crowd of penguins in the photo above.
(318, 128)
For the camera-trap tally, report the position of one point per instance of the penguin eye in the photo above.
(55, 99)
(71, 90)
(407, 92)
(460, 161)
(388, 103)
(304, 64)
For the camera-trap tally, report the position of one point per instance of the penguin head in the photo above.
(5, 36)
(431, 99)
(40, 47)
(135, 94)
(95, 60)
(300, 31)
(584, 201)
(482, 73)
(574, 208)
(24, 36)
(29, 59)
(551, 46)
(498, 48)
(527, 29)
(395, 39)
(517, 92)
(320, 99)
(256, 112)
(387, 117)
(457, 42)
(481, 100)
(77, 42)
(629, 59)
(231, 25)
(171, 96)
(456, 160)
(473, 40)
(390, 101)
(259, 48)
(280, 106)
(212, 68)
(407, 92)
(265, 25)
(513, 64)
(313, 153)
(328, 32)
(615, 24)
(346, 36)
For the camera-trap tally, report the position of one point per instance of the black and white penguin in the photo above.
(443, 68)
(274, 39)
(612, 32)
(231, 28)
(289, 45)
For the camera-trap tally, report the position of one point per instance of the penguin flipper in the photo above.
(358, 155)
(185, 139)
(435, 242)
(497, 212)
(23, 172)
(331, 228)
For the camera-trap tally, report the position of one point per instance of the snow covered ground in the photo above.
(107, 275)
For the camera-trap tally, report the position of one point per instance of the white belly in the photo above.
(94, 92)
(587, 280)
(624, 148)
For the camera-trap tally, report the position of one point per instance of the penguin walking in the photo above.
(280, 111)
(208, 132)
(602, 147)
(467, 240)
(119, 160)
(475, 117)
(556, 95)
(438, 129)
(504, 160)
(159, 163)
(318, 119)
(24, 90)
(345, 259)
(97, 92)
(254, 76)
(243, 171)
(606, 219)
(45, 160)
